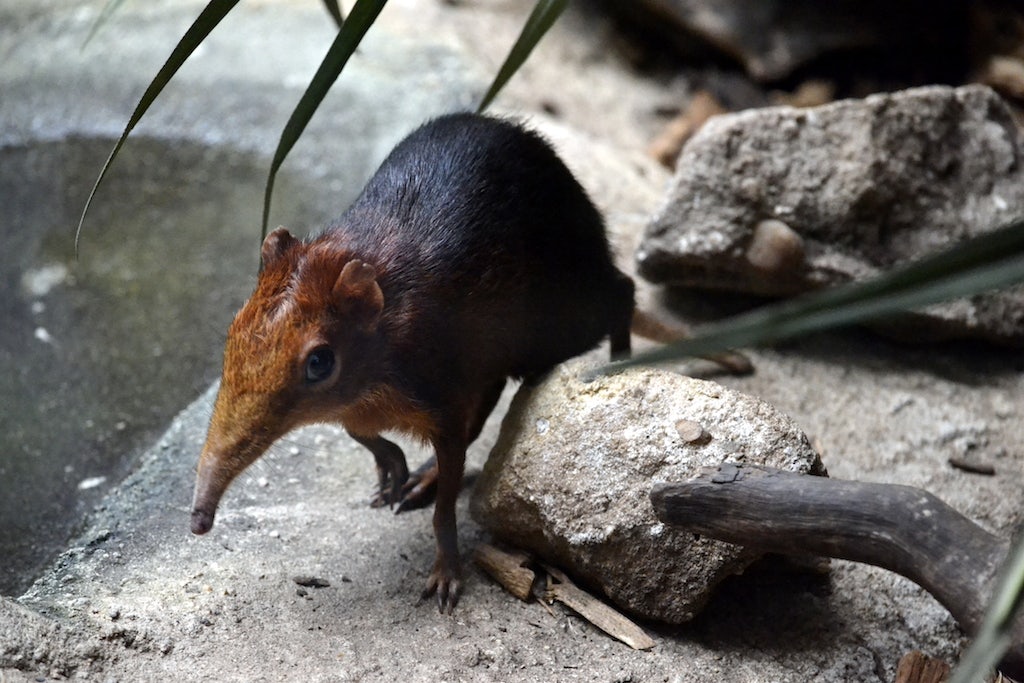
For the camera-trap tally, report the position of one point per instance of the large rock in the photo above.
(570, 476)
(772, 38)
(779, 201)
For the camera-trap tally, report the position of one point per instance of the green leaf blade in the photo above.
(334, 9)
(105, 14)
(359, 20)
(988, 262)
(995, 635)
(541, 19)
(207, 20)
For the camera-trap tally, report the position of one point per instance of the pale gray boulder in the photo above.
(779, 201)
(571, 475)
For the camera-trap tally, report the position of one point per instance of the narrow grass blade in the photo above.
(334, 9)
(543, 17)
(994, 635)
(987, 262)
(104, 16)
(359, 20)
(197, 32)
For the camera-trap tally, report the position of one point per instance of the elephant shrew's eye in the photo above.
(319, 364)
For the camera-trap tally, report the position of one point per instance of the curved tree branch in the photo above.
(900, 528)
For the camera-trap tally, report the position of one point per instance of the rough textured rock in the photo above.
(772, 38)
(779, 201)
(570, 476)
(30, 641)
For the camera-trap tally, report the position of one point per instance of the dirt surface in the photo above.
(136, 597)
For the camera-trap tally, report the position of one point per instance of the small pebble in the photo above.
(1002, 406)
(42, 335)
(90, 483)
(312, 581)
(972, 466)
(775, 247)
(692, 432)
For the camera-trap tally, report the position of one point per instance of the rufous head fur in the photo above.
(290, 358)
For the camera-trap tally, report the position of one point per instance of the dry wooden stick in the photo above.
(899, 528)
(596, 612)
(917, 667)
(666, 147)
(508, 569)
(511, 571)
